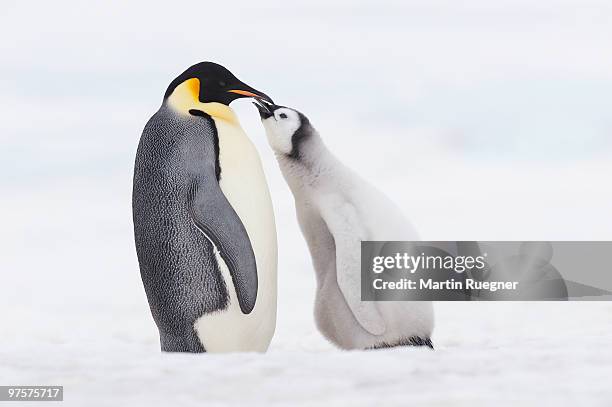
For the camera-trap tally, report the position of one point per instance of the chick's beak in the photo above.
(265, 109)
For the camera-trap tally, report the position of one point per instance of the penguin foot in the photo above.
(412, 341)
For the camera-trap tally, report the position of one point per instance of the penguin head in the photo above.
(209, 88)
(286, 128)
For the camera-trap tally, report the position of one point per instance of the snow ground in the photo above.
(491, 354)
(75, 313)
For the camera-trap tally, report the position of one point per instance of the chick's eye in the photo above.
(282, 116)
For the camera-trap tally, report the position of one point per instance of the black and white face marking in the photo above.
(285, 128)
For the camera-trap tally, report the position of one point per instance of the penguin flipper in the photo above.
(216, 218)
(343, 223)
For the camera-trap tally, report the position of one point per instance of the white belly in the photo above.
(244, 184)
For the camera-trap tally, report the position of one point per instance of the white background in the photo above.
(482, 120)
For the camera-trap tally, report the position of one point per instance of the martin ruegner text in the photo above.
(430, 284)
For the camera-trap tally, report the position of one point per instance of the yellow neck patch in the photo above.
(186, 96)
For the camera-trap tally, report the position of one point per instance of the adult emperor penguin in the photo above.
(203, 219)
(336, 210)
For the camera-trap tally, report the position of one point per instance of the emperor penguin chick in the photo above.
(336, 210)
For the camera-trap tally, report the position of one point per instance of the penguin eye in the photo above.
(282, 116)
(222, 84)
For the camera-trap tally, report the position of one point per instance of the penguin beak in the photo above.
(266, 109)
(246, 91)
